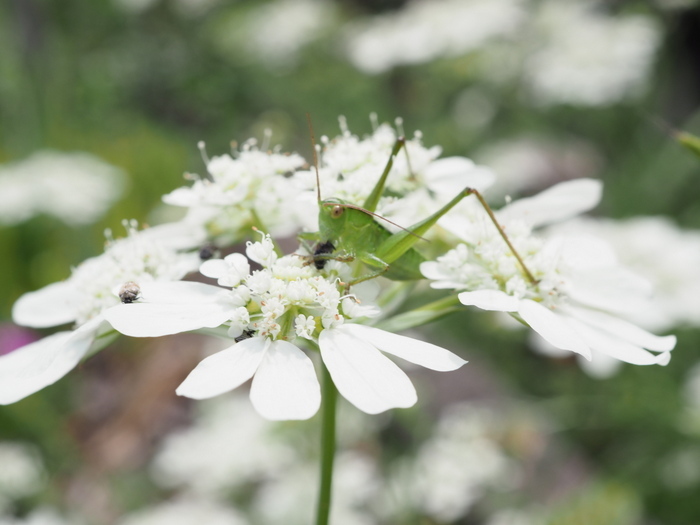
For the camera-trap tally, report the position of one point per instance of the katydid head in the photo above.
(332, 218)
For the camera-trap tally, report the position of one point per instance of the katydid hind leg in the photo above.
(401, 242)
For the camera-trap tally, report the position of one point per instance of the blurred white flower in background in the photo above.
(229, 445)
(525, 164)
(460, 462)
(689, 422)
(272, 33)
(586, 57)
(515, 517)
(186, 511)
(565, 51)
(283, 499)
(42, 516)
(276, 32)
(661, 252)
(21, 472)
(426, 30)
(76, 188)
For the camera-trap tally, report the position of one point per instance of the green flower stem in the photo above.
(329, 397)
(423, 315)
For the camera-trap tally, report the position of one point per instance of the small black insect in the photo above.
(247, 334)
(325, 248)
(208, 251)
(129, 292)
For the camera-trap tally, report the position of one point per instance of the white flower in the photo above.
(76, 188)
(231, 269)
(458, 464)
(305, 326)
(284, 384)
(42, 516)
(185, 512)
(427, 30)
(262, 252)
(276, 32)
(229, 445)
(588, 58)
(527, 164)
(142, 257)
(22, 472)
(283, 499)
(660, 251)
(249, 187)
(580, 296)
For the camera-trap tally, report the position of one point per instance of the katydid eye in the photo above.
(337, 211)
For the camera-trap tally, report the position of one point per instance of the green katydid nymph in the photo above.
(349, 232)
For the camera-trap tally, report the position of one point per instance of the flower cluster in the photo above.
(269, 312)
(238, 191)
(570, 290)
(280, 312)
(143, 256)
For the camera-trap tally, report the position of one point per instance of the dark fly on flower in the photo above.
(322, 249)
(208, 251)
(247, 334)
(129, 292)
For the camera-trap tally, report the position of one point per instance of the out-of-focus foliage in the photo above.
(137, 83)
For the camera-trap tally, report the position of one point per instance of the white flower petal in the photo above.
(156, 320)
(181, 197)
(552, 327)
(490, 300)
(440, 277)
(42, 363)
(413, 350)
(365, 377)
(285, 385)
(614, 289)
(582, 251)
(614, 347)
(224, 370)
(51, 305)
(453, 174)
(601, 366)
(178, 292)
(663, 358)
(555, 204)
(171, 308)
(623, 329)
(213, 268)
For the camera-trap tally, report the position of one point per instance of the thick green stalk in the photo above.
(422, 315)
(329, 397)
